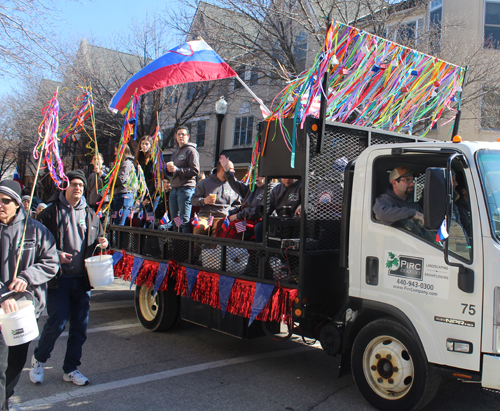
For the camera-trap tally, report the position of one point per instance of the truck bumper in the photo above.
(491, 372)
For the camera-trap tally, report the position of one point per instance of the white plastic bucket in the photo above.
(100, 270)
(20, 326)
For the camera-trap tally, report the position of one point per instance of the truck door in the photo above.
(402, 266)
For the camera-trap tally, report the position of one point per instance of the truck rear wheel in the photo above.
(390, 369)
(157, 313)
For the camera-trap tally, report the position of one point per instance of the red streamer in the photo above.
(147, 273)
(241, 298)
(206, 289)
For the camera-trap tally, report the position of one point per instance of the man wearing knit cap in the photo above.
(397, 203)
(38, 264)
(78, 232)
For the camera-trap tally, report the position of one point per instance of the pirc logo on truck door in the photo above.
(416, 275)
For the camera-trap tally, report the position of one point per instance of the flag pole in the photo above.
(254, 95)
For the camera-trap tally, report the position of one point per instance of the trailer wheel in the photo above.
(157, 313)
(390, 369)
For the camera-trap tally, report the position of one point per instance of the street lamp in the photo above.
(220, 110)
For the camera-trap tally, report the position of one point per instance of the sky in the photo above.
(104, 17)
(100, 19)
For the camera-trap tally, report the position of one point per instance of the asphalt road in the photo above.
(192, 368)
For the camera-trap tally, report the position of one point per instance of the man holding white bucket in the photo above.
(38, 264)
(78, 231)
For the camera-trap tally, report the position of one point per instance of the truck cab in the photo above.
(441, 292)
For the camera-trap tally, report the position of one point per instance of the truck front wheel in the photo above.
(390, 369)
(158, 312)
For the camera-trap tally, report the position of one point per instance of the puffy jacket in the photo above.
(39, 262)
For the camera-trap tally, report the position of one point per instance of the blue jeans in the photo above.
(122, 201)
(70, 302)
(180, 205)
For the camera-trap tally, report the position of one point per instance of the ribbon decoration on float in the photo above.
(373, 82)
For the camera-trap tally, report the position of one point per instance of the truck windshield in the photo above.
(489, 169)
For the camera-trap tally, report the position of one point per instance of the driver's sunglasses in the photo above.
(408, 180)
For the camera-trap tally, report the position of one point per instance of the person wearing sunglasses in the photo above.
(397, 202)
(38, 264)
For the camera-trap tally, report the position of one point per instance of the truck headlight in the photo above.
(496, 320)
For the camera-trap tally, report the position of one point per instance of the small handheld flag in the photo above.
(150, 216)
(241, 226)
(114, 214)
(226, 223)
(178, 221)
(141, 214)
(211, 221)
(164, 219)
(17, 178)
(196, 221)
(442, 233)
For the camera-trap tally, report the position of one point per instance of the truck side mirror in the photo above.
(434, 197)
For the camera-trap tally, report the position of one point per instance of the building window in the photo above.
(243, 128)
(492, 24)
(249, 75)
(490, 108)
(435, 24)
(406, 33)
(200, 133)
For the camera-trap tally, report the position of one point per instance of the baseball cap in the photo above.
(400, 171)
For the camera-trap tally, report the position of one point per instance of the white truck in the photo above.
(402, 307)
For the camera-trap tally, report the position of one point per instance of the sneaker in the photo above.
(36, 371)
(76, 377)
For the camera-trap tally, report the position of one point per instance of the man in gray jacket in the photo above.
(38, 264)
(397, 203)
(216, 199)
(78, 232)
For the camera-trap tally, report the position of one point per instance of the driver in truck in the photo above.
(396, 207)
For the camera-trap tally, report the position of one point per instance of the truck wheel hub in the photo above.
(388, 367)
(148, 303)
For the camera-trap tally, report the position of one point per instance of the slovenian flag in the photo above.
(196, 221)
(164, 219)
(193, 61)
(17, 178)
(442, 233)
(226, 223)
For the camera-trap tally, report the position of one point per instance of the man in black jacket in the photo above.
(78, 232)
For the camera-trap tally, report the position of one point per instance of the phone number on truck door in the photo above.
(416, 284)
